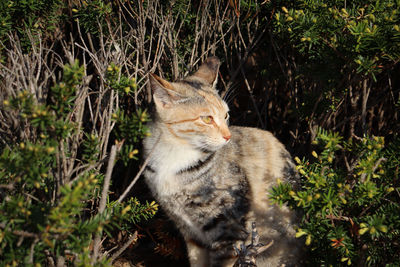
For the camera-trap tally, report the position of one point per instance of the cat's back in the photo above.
(264, 161)
(260, 153)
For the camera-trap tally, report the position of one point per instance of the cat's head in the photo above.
(191, 109)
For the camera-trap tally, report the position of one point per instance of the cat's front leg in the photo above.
(223, 255)
(198, 255)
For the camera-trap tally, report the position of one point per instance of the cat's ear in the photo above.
(164, 93)
(208, 71)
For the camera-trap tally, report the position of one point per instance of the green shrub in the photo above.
(39, 17)
(362, 34)
(338, 55)
(350, 201)
(45, 217)
(94, 15)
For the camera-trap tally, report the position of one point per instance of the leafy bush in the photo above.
(39, 17)
(350, 192)
(44, 217)
(330, 64)
(94, 15)
(361, 35)
(350, 201)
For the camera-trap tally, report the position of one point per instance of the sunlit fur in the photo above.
(213, 180)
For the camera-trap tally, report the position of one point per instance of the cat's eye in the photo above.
(226, 116)
(207, 119)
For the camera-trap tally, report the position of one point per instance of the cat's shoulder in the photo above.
(256, 143)
(253, 135)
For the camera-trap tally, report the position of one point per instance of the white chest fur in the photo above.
(167, 159)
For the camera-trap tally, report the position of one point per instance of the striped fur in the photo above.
(212, 179)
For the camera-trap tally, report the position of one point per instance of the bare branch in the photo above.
(123, 195)
(131, 239)
(104, 195)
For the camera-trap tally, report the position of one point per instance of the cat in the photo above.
(213, 179)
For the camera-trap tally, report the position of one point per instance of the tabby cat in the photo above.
(213, 180)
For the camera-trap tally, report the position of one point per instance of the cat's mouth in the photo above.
(207, 146)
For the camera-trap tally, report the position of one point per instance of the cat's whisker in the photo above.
(231, 91)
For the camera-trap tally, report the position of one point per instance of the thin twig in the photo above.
(32, 250)
(7, 186)
(125, 246)
(19, 232)
(50, 260)
(252, 97)
(107, 179)
(121, 198)
(104, 195)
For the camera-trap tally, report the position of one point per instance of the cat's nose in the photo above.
(227, 137)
